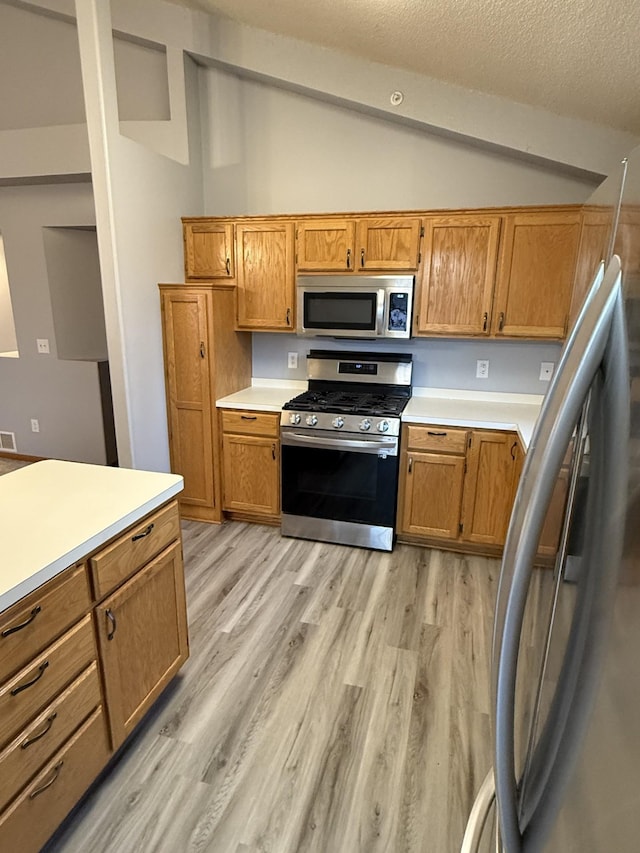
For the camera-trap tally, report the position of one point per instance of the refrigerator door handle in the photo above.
(578, 365)
(479, 813)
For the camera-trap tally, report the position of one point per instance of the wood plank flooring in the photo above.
(336, 701)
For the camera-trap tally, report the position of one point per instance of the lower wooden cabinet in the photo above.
(142, 634)
(70, 705)
(456, 486)
(251, 463)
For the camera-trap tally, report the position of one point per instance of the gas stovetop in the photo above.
(343, 402)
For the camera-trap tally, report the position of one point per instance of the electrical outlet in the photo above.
(482, 369)
(35, 425)
(546, 370)
(43, 345)
(292, 360)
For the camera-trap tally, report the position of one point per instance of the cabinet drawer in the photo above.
(24, 695)
(33, 817)
(136, 547)
(440, 439)
(251, 423)
(36, 620)
(36, 744)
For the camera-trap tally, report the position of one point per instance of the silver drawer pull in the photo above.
(22, 625)
(24, 686)
(48, 723)
(144, 533)
(56, 773)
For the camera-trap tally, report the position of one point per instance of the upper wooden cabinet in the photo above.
(208, 249)
(266, 275)
(595, 234)
(458, 275)
(388, 244)
(535, 274)
(326, 245)
(368, 244)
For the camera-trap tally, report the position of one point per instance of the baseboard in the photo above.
(21, 457)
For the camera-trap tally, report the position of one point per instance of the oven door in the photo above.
(326, 476)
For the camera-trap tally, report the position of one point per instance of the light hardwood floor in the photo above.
(336, 700)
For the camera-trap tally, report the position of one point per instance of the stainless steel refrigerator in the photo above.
(566, 644)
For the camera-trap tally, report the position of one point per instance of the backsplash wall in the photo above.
(514, 366)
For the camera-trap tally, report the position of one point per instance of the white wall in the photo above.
(75, 289)
(8, 340)
(63, 396)
(268, 150)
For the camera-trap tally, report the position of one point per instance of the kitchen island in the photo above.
(92, 629)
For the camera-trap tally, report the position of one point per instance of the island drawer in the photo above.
(439, 439)
(35, 744)
(40, 617)
(35, 814)
(251, 423)
(27, 692)
(134, 549)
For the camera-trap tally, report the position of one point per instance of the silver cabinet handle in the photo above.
(578, 365)
(479, 813)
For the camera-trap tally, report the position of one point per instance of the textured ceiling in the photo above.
(578, 58)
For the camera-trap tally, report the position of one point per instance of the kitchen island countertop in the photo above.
(55, 513)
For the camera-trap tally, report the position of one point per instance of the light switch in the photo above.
(43, 345)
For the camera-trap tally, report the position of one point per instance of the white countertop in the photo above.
(476, 409)
(263, 395)
(53, 513)
(448, 407)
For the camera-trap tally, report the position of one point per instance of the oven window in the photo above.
(340, 311)
(339, 484)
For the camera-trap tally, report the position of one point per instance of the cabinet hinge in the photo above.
(469, 441)
(422, 230)
(296, 257)
(465, 466)
(419, 257)
(461, 526)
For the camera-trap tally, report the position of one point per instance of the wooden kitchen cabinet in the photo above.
(142, 634)
(488, 488)
(388, 244)
(204, 358)
(358, 244)
(536, 273)
(266, 275)
(251, 463)
(208, 249)
(455, 292)
(595, 233)
(431, 481)
(325, 245)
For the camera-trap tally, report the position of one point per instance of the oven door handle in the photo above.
(372, 446)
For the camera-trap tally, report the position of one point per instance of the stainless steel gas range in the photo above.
(340, 443)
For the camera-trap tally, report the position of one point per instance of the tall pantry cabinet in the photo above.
(204, 358)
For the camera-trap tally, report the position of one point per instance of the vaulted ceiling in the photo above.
(578, 58)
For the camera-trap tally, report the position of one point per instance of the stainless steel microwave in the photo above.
(341, 306)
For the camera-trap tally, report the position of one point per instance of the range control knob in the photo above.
(365, 424)
(311, 420)
(294, 418)
(383, 426)
(338, 423)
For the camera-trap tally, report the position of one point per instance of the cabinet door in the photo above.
(326, 245)
(388, 244)
(459, 270)
(185, 315)
(535, 276)
(251, 474)
(142, 632)
(208, 250)
(432, 494)
(594, 241)
(266, 276)
(488, 489)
